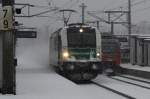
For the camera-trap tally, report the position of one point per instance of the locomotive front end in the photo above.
(81, 58)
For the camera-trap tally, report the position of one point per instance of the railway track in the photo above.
(113, 90)
(123, 94)
(135, 79)
(128, 82)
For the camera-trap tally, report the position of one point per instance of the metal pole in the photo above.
(8, 83)
(112, 28)
(129, 19)
(129, 24)
(83, 6)
(28, 10)
(97, 22)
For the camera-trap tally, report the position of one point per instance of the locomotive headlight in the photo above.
(81, 30)
(65, 54)
(97, 54)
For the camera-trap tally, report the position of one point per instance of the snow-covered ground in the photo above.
(36, 79)
(132, 90)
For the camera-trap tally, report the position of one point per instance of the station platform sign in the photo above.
(26, 34)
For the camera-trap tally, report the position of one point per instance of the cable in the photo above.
(122, 5)
(134, 4)
(74, 3)
(67, 3)
(139, 2)
(38, 6)
(139, 10)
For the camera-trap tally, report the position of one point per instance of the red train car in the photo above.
(111, 52)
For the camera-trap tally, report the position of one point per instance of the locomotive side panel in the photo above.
(52, 52)
(99, 43)
(54, 49)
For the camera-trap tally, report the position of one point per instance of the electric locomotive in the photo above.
(75, 50)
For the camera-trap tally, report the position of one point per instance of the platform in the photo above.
(135, 70)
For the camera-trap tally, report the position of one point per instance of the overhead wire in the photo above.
(66, 3)
(51, 2)
(114, 7)
(133, 4)
(104, 9)
(139, 2)
(74, 3)
(139, 10)
(142, 9)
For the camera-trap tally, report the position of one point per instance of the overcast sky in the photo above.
(140, 12)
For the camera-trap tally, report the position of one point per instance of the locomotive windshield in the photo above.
(86, 38)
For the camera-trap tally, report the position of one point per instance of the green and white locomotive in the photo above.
(75, 50)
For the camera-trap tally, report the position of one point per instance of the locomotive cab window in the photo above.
(86, 38)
